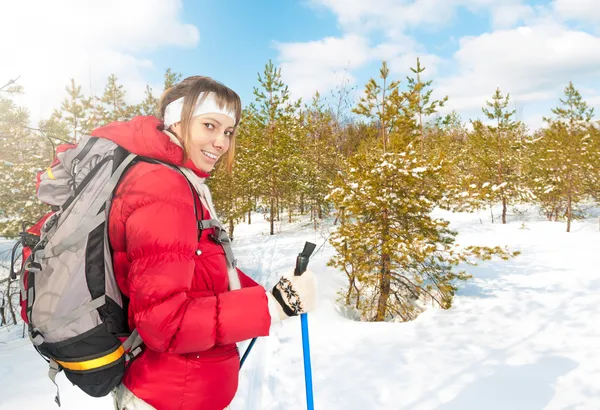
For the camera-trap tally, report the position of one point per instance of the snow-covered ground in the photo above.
(523, 334)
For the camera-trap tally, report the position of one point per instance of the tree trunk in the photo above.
(302, 204)
(290, 214)
(501, 174)
(569, 211)
(231, 227)
(12, 312)
(10, 306)
(272, 215)
(249, 212)
(351, 279)
(385, 278)
(319, 210)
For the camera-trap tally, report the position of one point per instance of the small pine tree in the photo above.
(276, 143)
(112, 105)
(565, 155)
(320, 164)
(22, 154)
(396, 261)
(149, 106)
(493, 152)
(75, 113)
(420, 102)
(382, 104)
(171, 78)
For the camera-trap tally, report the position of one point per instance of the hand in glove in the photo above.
(293, 295)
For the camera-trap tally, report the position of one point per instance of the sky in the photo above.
(531, 49)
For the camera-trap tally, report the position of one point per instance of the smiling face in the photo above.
(210, 138)
(203, 114)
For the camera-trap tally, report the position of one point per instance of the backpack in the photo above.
(75, 312)
(70, 301)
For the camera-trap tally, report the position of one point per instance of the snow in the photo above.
(522, 334)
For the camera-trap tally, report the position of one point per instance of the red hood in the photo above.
(142, 136)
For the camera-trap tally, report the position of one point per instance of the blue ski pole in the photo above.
(301, 265)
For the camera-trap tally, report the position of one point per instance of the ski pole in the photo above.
(301, 265)
(247, 352)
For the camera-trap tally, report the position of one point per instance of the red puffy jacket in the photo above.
(179, 298)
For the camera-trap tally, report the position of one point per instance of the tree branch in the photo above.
(10, 82)
(402, 277)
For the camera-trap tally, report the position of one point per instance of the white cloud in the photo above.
(394, 16)
(585, 10)
(51, 42)
(320, 65)
(316, 65)
(324, 64)
(506, 15)
(531, 63)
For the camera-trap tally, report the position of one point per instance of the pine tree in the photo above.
(593, 182)
(566, 152)
(112, 105)
(493, 150)
(382, 104)
(75, 113)
(149, 106)
(420, 102)
(542, 167)
(23, 152)
(464, 188)
(277, 148)
(171, 78)
(419, 252)
(320, 162)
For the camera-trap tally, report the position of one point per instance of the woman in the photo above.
(189, 305)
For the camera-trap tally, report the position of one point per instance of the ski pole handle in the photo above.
(303, 257)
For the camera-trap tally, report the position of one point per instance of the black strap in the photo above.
(85, 181)
(88, 146)
(13, 273)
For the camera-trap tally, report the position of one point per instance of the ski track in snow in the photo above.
(262, 344)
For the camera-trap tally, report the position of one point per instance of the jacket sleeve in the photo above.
(161, 240)
(245, 280)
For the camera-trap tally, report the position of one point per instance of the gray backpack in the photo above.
(76, 314)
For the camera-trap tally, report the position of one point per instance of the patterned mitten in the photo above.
(293, 295)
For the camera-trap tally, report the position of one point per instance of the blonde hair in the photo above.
(191, 88)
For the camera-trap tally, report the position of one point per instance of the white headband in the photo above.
(208, 106)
